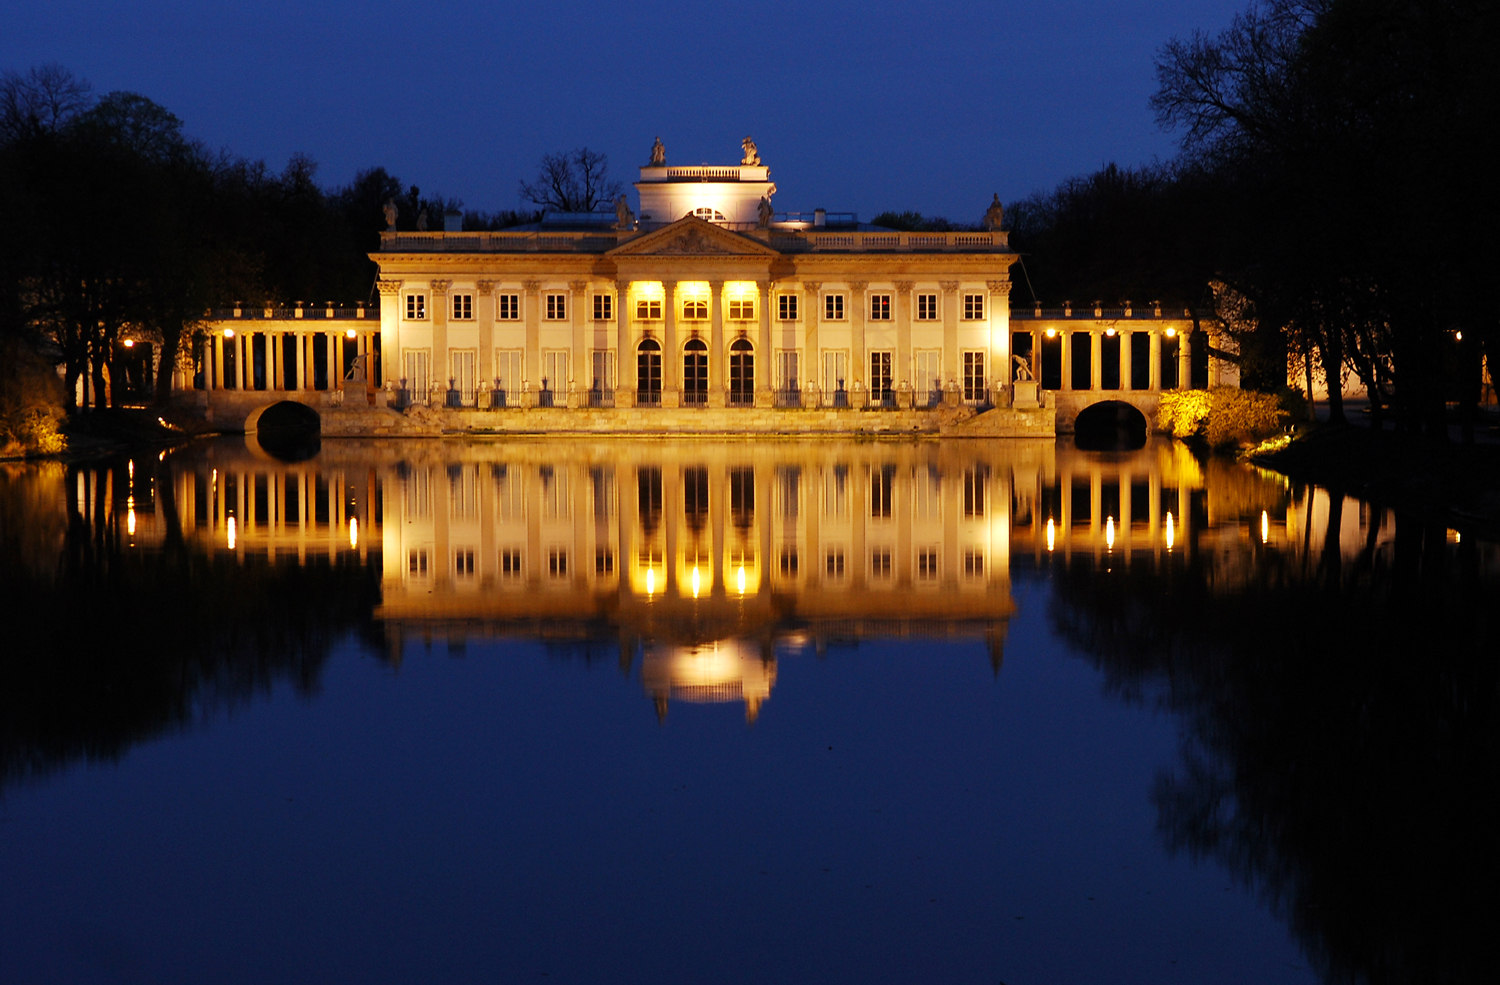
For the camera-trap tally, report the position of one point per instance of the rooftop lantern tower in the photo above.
(719, 193)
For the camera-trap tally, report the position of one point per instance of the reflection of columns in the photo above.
(531, 372)
(857, 302)
(950, 330)
(765, 365)
(671, 356)
(718, 353)
(442, 366)
(484, 311)
(903, 370)
(390, 335)
(1155, 377)
(1096, 351)
(1184, 360)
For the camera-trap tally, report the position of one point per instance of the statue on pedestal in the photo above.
(422, 221)
(624, 218)
(390, 213)
(994, 214)
(1023, 369)
(752, 156)
(764, 213)
(658, 154)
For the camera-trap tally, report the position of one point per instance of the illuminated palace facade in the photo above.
(707, 298)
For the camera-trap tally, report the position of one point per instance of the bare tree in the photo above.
(573, 182)
(45, 98)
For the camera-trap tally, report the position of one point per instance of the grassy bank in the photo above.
(1457, 485)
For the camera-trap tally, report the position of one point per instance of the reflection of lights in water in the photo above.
(130, 515)
(1171, 532)
(353, 532)
(1109, 532)
(650, 581)
(696, 581)
(1051, 535)
(131, 466)
(162, 457)
(229, 533)
(1265, 526)
(740, 577)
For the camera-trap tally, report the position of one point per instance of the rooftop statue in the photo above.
(390, 213)
(994, 214)
(658, 154)
(422, 221)
(624, 218)
(752, 156)
(764, 213)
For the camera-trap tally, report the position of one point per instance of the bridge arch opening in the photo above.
(1110, 425)
(286, 430)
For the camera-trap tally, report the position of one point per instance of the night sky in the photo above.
(855, 106)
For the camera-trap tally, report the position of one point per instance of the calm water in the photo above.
(753, 711)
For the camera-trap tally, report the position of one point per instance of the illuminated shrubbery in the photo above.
(1222, 416)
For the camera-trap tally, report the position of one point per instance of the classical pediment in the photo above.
(691, 236)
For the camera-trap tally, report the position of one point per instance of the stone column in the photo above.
(950, 331)
(531, 370)
(903, 368)
(392, 363)
(765, 364)
(1155, 376)
(1184, 360)
(1064, 350)
(580, 366)
(442, 368)
(484, 301)
(812, 311)
(1096, 353)
(856, 313)
(671, 355)
(999, 371)
(718, 349)
(216, 353)
(241, 356)
(624, 367)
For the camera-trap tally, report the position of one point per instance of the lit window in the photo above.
(510, 563)
(557, 307)
(973, 307)
(880, 307)
(604, 307)
(695, 309)
(786, 307)
(416, 307)
(510, 307)
(927, 307)
(648, 309)
(833, 307)
(974, 385)
(742, 309)
(463, 307)
(712, 215)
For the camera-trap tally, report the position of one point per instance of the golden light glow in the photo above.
(1457, 337)
(1265, 526)
(130, 343)
(650, 581)
(229, 533)
(1051, 535)
(1171, 332)
(1110, 332)
(1171, 532)
(130, 515)
(353, 532)
(229, 333)
(697, 581)
(1051, 333)
(130, 467)
(1109, 532)
(350, 334)
(740, 579)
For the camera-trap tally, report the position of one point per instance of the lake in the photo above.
(738, 711)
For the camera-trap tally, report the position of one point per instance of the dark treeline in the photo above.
(1332, 190)
(1339, 752)
(120, 226)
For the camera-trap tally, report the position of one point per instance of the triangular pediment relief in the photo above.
(691, 236)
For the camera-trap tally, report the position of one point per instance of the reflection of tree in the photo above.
(116, 645)
(1342, 740)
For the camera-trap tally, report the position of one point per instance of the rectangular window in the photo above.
(787, 376)
(833, 307)
(741, 309)
(648, 309)
(974, 384)
(416, 365)
(835, 370)
(973, 307)
(695, 309)
(786, 307)
(557, 307)
(880, 307)
(927, 307)
(510, 307)
(880, 376)
(510, 563)
(507, 376)
(463, 373)
(416, 563)
(463, 307)
(602, 377)
(416, 307)
(463, 563)
(604, 307)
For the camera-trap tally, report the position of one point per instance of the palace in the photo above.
(708, 299)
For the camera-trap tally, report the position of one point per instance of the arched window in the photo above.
(741, 373)
(695, 373)
(648, 373)
(711, 215)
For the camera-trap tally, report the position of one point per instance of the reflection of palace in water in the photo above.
(704, 560)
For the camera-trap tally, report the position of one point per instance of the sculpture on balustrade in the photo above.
(390, 213)
(1023, 369)
(994, 214)
(752, 156)
(624, 218)
(764, 213)
(658, 154)
(422, 221)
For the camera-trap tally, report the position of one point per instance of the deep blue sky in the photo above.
(856, 106)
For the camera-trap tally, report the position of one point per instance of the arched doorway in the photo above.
(648, 373)
(695, 373)
(1110, 425)
(741, 374)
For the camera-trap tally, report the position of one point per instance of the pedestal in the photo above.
(1025, 395)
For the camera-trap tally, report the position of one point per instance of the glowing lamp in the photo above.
(1171, 333)
(1457, 337)
(351, 333)
(129, 343)
(1110, 332)
(1051, 333)
(229, 333)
